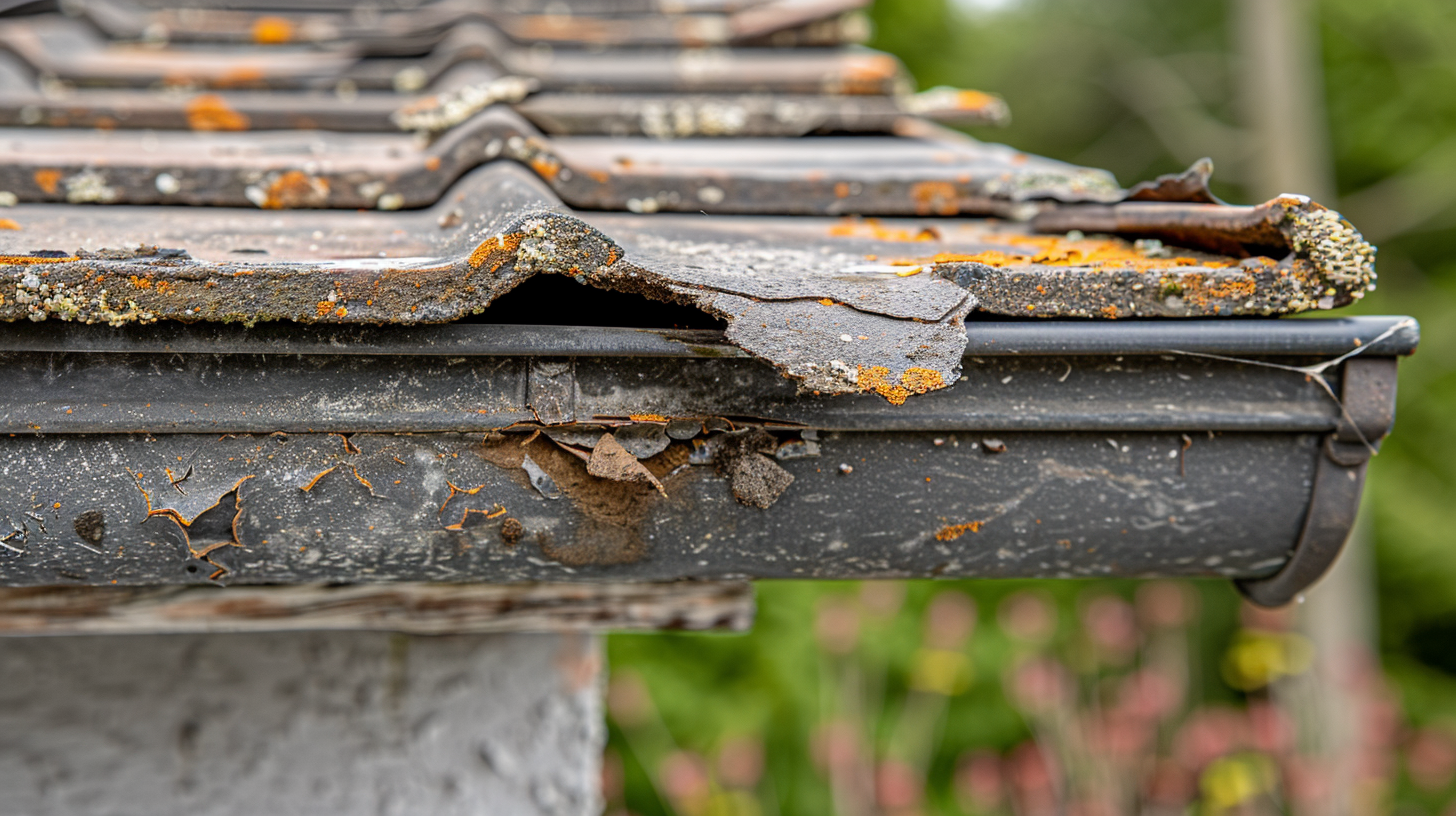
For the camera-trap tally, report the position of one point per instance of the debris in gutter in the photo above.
(609, 460)
(540, 479)
(755, 479)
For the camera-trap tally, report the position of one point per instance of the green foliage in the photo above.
(1139, 87)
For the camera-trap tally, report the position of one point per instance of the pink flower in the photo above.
(836, 747)
(1430, 759)
(683, 776)
(978, 780)
(1039, 685)
(1035, 780)
(949, 620)
(897, 785)
(1028, 616)
(836, 625)
(628, 699)
(1208, 734)
(1270, 728)
(1165, 604)
(1149, 694)
(1111, 626)
(740, 761)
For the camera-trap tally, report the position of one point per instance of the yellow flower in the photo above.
(1257, 658)
(1232, 780)
(940, 671)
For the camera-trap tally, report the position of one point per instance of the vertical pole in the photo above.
(317, 723)
(1283, 100)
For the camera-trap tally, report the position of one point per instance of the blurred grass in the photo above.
(1140, 87)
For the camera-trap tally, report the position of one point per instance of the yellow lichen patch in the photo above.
(871, 228)
(272, 31)
(26, 260)
(496, 250)
(913, 381)
(212, 112)
(951, 532)
(47, 180)
(1043, 250)
(9, 224)
(647, 417)
(935, 197)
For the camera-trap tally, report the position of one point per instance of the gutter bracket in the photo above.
(1368, 400)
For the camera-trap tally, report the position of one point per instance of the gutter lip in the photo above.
(1378, 335)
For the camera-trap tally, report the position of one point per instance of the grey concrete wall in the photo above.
(300, 723)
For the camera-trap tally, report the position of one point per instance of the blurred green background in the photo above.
(1117, 697)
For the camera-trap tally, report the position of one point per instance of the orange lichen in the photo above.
(545, 166)
(913, 381)
(47, 180)
(969, 100)
(871, 228)
(323, 307)
(1044, 250)
(8, 224)
(935, 197)
(647, 417)
(241, 75)
(296, 188)
(951, 532)
(25, 260)
(212, 112)
(867, 73)
(341, 312)
(496, 250)
(432, 163)
(272, 31)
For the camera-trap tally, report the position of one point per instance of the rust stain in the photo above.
(272, 31)
(496, 251)
(212, 112)
(458, 491)
(315, 480)
(494, 513)
(48, 180)
(608, 516)
(914, 381)
(953, 531)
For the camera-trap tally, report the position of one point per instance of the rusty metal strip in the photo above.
(73, 54)
(829, 175)
(785, 22)
(839, 306)
(413, 608)
(465, 91)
